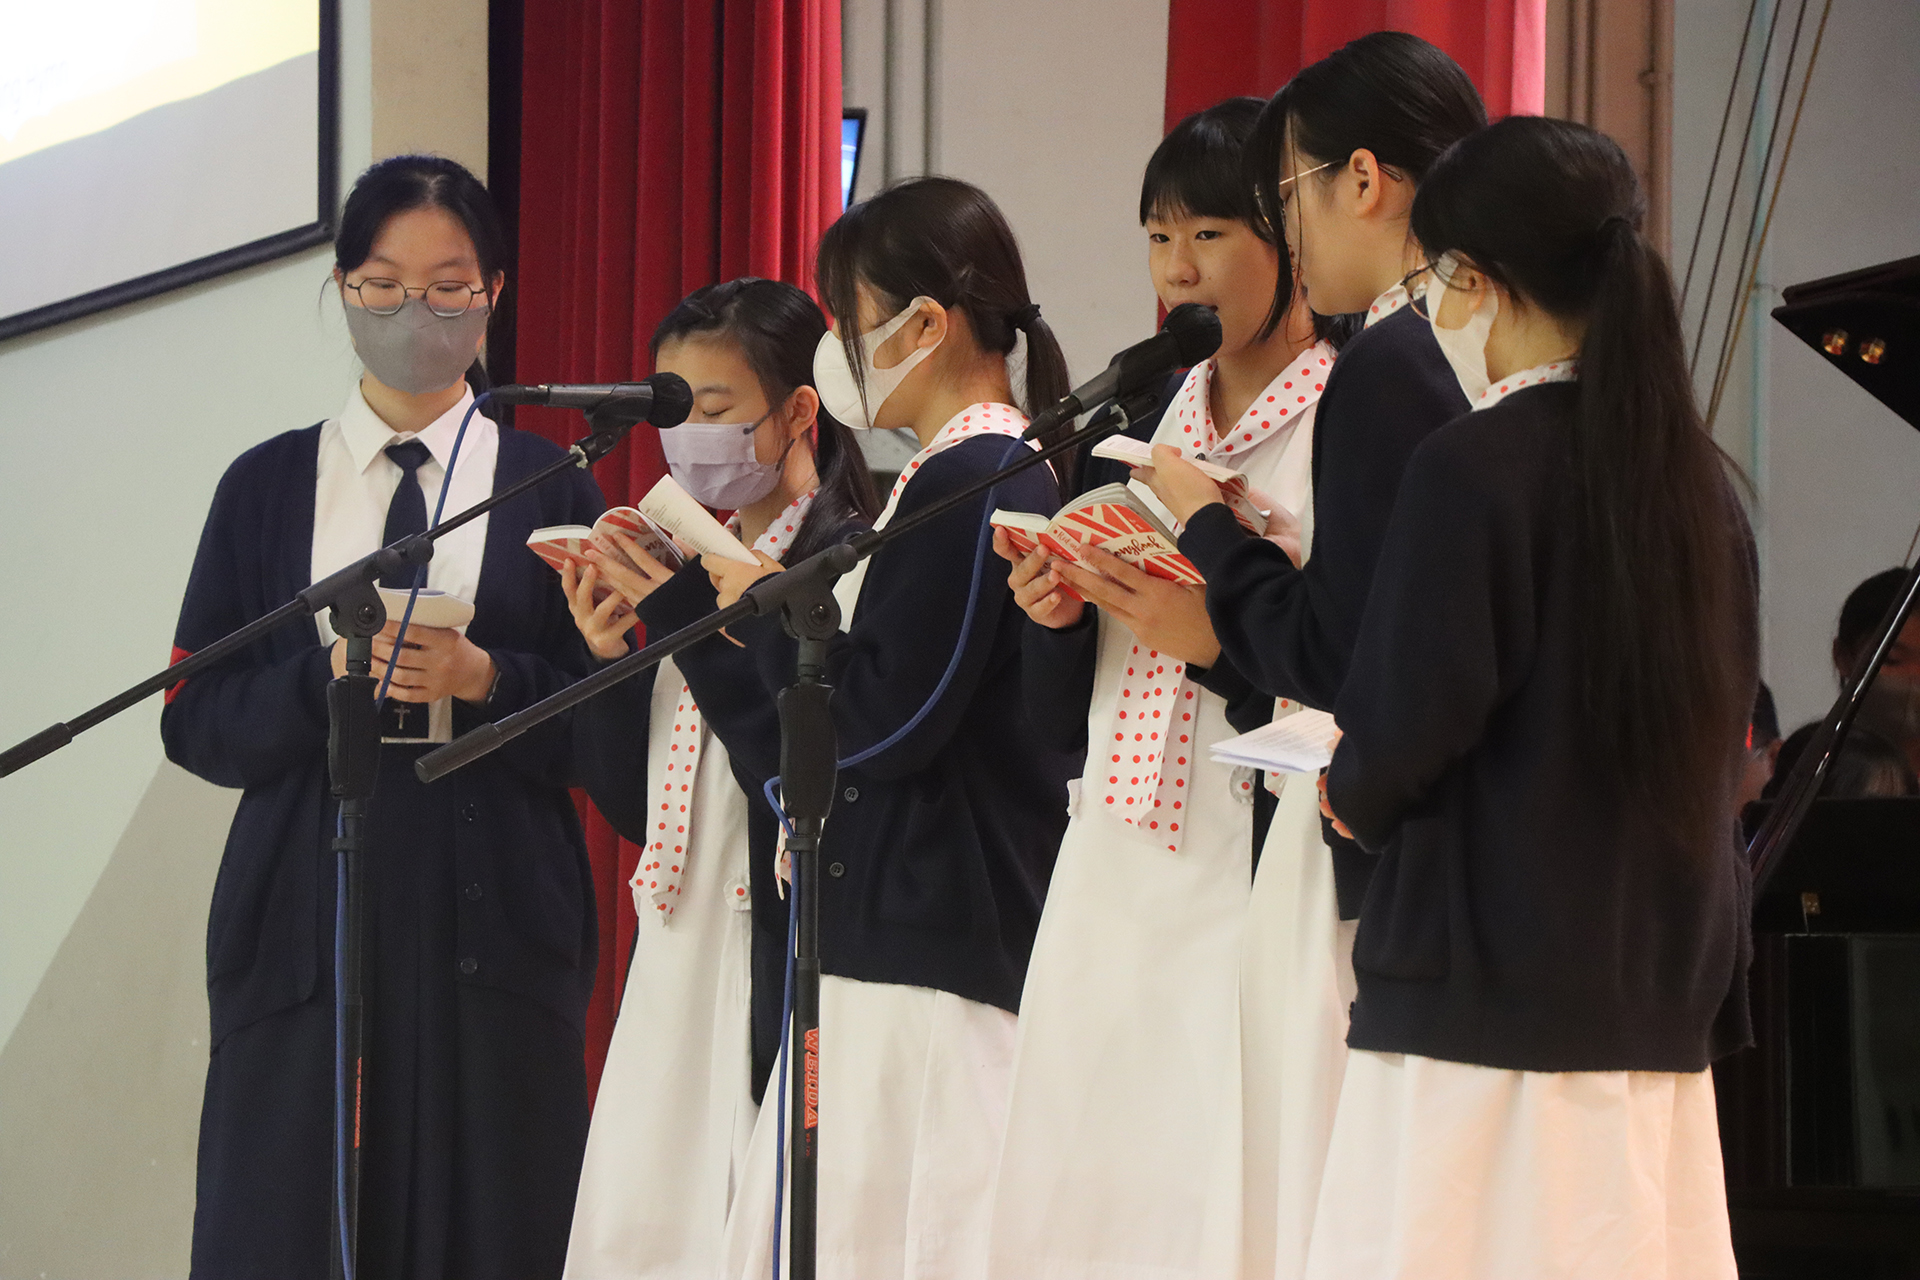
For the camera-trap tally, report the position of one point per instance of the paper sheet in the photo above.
(1292, 744)
(676, 511)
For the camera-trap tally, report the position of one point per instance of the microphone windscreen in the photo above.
(673, 398)
(1195, 330)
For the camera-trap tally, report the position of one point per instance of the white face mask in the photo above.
(833, 376)
(715, 462)
(1466, 347)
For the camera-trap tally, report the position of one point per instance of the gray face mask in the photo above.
(414, 350)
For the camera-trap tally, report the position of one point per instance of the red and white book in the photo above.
(1249, 506)
(562, 544)
(1113, 518)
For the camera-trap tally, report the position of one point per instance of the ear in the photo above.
(495, 287)
(1363, 172)
(929, 328)
(801, 411)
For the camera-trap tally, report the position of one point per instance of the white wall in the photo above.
(117, 429)
(1053, 109)
(1838, 475)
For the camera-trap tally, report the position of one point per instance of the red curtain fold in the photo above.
(1219, 48)
(664, 146)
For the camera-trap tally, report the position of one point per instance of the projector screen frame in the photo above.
(252, 254)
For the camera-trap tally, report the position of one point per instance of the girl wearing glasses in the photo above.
(685, 1072)
(481, 948)
(1140, 943)
(1336, 159)
(1545, 726)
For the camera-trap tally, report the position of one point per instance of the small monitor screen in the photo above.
(853, 128)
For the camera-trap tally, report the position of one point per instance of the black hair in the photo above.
(1551, 211)
(947, 240)
(1860, 617)
(777, 327)
(1199, 170)
(399, 184)
(1196, 171)
(1388, 92)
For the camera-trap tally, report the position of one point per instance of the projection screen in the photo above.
(149, 144)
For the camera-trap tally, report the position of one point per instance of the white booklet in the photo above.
(1249, 506)
(674, 509)
(1297, 743)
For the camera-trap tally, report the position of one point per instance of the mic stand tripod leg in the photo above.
(808, 751)
(353, 764)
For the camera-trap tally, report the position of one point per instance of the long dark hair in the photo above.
(947, 240)
(1388, 92)
(399, 184)
(776, 327)
(1551, 211)
(1199, 170)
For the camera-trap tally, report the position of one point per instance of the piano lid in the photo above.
(1866, 324)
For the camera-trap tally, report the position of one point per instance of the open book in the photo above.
(1249, 506)
(1297, 743)
(1113, 518)
(666, 520)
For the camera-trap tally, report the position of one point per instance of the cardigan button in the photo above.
(850, 794)
(473, 892)
(836, 869)
(469, 966)
(470, 814)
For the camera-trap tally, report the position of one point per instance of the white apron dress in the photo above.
(1122, 1149)
(913, 1087)
(675, 1109)
(1454, 1171)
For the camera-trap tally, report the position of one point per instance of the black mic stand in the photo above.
(357, 614)
(808, 766)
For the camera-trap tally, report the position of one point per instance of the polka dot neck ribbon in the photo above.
(1558, 371)
(1386, 304)
(1275, 410)
(1150, 744)
(663, 865)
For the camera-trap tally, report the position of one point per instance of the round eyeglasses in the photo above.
(445, 298)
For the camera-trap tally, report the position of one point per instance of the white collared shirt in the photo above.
(355, 484)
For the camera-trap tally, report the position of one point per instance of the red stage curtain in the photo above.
(664, 146)
(1219, 48)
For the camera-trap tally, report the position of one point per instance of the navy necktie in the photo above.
(407, 513)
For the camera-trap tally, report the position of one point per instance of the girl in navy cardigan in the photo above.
(679, 1096)
(938, 850)
(481, 948)
(1544, 727)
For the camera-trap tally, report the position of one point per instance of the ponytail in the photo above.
(1551, 212)
(943, 239)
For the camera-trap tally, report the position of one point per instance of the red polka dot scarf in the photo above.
(663, 865)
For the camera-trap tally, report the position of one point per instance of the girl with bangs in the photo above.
(936, 855)
(683, 1079)
(1123, 1144)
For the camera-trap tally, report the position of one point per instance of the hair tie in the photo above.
(1023, 317)
(1608, 223)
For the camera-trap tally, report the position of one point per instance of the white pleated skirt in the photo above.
(1447, 1171)
(1296, 982)
(913, 1101)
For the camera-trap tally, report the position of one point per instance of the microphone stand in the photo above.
(808, 764)
(353, 759)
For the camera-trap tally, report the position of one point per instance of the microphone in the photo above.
(1191, 334)
(664, 399)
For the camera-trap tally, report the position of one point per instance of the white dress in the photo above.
(675, 1109)
(1122, 1149)
(913, 1088)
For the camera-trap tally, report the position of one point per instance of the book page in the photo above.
(1138, 453)
(1298, 743)
(675, 511)
(651, 537)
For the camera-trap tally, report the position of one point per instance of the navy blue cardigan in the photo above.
(258, 722)
(937, 853)
(1291, 630)
(1525, 914)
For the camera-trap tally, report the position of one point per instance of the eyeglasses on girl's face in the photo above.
(445, 298)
